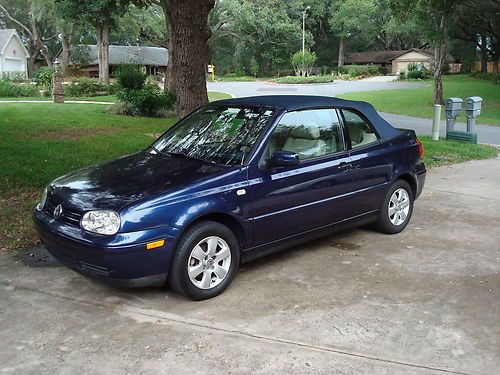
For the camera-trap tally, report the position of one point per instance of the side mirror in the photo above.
(283, 159)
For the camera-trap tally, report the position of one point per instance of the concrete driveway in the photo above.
(422, 302)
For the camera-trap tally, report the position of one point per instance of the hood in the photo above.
(122, 181)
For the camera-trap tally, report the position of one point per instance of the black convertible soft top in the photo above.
(301, 102)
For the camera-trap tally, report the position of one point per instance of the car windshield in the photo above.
(218, 134)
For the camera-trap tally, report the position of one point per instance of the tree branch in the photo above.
(12, 19)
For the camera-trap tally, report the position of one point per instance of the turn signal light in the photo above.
(154, 245)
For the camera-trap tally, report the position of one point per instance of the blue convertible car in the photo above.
(234, 180)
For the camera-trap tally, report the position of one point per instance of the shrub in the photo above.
(11, 90)
(301, 79)
(303, 62)
(84, 86)
(147, 101)
(355, 71)
(130, 77)
(494, 77)
(43, 77)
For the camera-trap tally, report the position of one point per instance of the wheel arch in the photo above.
(411, 180)
(225, 219)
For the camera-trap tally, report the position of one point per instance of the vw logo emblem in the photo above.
(58, 211)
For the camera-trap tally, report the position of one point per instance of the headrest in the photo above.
(310, 131)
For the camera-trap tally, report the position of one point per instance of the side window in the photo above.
(359, 130)
(309, 133)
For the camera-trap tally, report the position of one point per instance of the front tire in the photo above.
(397, 208)
(205, 262)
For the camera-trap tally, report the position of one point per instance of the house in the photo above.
(84, 59)
(13, 54)
(393, 61)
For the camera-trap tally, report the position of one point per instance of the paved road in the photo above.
(485, 134)
(425, 301)
(239, 89)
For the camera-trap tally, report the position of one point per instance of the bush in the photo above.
(130, 77)
(84, 86)
(301, 79)
(11, 90)
(415, 71)
(147, 101)
(303, 62)
(43, 77)
(494, 77)
(355, 71)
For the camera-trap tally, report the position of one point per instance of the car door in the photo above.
(372, 167)
(290, 200)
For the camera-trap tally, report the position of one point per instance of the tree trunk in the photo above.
(189, 34)
(102, 36)
(169, 72)
(439, 61)
(484, 55)
(65, 42)
(341, 51)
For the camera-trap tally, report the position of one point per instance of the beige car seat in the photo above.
(304, 140)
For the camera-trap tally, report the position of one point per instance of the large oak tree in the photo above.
(189, 34)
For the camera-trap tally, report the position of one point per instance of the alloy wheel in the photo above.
(209, 262)
(399, 207)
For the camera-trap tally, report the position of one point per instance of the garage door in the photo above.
(13, 65)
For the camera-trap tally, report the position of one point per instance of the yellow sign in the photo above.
(211, 69)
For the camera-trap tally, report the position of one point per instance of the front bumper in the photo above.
(120, 260)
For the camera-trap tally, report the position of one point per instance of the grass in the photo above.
(443, 152)
(302, 80)
(419, 102)
(39, 143)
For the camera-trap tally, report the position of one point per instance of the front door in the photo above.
(290, 200)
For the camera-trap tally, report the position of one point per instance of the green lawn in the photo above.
(419, 102)
(41, 142)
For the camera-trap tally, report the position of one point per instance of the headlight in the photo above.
(42, 201)
(101, 222)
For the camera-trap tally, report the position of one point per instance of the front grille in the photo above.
(70, 217)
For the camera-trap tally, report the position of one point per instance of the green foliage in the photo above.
(494, 77)
(43, 77)
(138, 97)
(254, 67)
(8, 89)
(303, 62)
(130, 77)
(84, 86)
(304, 79)
(146, 101)
(355, 71)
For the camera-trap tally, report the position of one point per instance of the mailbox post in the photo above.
(472, 110)
(453, 107)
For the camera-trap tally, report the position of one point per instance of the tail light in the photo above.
(420, 148)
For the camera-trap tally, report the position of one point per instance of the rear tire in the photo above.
(397, 208)
(205, 262)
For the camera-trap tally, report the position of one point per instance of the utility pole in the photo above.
(304, 30)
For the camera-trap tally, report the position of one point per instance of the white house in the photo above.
(13, 54)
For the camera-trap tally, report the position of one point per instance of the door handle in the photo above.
(345, 167)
